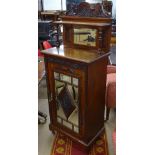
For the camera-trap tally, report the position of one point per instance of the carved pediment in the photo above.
(85, 9)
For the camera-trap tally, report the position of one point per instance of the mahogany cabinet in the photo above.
(76, 79)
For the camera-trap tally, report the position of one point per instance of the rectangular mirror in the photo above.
(85, 36)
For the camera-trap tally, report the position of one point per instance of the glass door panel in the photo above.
(67, 100)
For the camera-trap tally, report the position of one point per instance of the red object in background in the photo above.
(46, 45)
(110, 96)
(39, 53)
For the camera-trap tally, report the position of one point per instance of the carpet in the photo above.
(63, 146)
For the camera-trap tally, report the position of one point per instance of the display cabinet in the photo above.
(76, 79)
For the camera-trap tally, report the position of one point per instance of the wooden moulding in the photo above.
(87, 19)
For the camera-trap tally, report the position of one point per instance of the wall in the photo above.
(54, 4)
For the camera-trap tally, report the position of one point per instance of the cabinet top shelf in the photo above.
(74, 54)
(82, 23)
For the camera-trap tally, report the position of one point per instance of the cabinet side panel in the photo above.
(96, 97)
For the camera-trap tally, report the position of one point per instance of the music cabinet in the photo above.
(76, 79)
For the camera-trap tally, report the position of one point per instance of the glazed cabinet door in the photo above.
(67, 87)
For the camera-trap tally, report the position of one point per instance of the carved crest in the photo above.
(87, 10)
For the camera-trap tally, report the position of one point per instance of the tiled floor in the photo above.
(45, 137)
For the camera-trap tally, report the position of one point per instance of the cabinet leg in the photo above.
(51, 129)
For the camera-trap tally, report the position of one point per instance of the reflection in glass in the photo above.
(59, 119)
(67, 100)
(65, 78)
(75, 81)
(85, 36)
(67, 124)
(56, 75)
(76, 129)
(58, 86)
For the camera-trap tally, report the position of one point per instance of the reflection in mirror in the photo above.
(85, 36)
(66, 90)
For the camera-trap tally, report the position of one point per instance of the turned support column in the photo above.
(100, 41)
